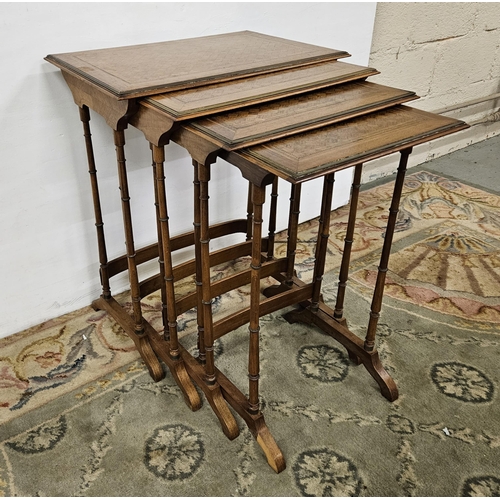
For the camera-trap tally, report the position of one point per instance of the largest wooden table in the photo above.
(272, 108)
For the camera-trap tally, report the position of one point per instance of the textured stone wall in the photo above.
(449, 54)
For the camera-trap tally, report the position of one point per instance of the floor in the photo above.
(485, 158)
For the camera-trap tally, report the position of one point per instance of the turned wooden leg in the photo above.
(253, 356)
(293, 225)
(159, 159)
(346, 254)
(272, 219)
(322, 242)
(141, 340)
(249, 212)
(386, 250)
(161, 262)
(210, 386)
(291, 243)
(173, 359)
(99, 224)
(198, 272)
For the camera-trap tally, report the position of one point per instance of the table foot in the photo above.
(149, 357)
(221, 410)
(265, 440)
(178, 370)
(325, 320)
(255, 422)
(386, 383)
(213, 394)
(141, 342)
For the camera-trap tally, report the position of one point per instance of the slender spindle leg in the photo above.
(210, 386)
(159, 159)
(258, 197)
(386, 250)
(346, 254)
(119, 137)
(204, 177)
(161, 262)
(172, 358)
(293, 224)
(322, 242)
(139, 336)
(272, 219)
(320, 222)
(249, 212)
(291, 244)
(99, 224)
(198, 275)
(257, 426)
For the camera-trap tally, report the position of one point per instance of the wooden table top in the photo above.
(256, 124)
(148, 69)
(316, 153)
(200, 101)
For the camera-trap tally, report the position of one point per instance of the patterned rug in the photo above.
(79, 415)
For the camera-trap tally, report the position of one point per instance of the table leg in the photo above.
(272, 219)
(99, 224)
(172, 358)
(202, 357)
(291, 243)
(161, 262)
(249, 212)
(348, 240)
(386, 250)
(315, 311)
(253, 356)
(322, 242)
(209, 385)
(262, 433)
(137, 332)
(293, 231)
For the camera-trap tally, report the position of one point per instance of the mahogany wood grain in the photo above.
(292, 233)
(142, 344)
(348, 241)
(386, 251)
(119, 140)
(159, 159)
(322, 240)
(273, 212)
(161, 261)
(99, 224)
(284, 117)
(272, 108)
(198, 293)
(324, 320)
(115, 113)
(215, 98)
(292, 295)
(147, 69)
(316, 153)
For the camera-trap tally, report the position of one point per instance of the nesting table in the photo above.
(272, 108)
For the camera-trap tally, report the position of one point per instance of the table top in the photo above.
(148, 69)
(265, 122)
(200, 101)
(316, 153)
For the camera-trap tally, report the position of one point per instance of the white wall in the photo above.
(48, 255)
(449, 54)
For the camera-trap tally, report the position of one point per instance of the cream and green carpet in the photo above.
(79, 415)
